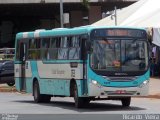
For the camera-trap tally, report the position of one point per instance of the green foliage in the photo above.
(85, 3)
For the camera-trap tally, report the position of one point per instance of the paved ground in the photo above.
(16, 103)
(154, 89)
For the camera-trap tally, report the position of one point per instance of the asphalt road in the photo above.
(16, 106)
(16, 103)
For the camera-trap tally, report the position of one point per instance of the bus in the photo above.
(86, 63)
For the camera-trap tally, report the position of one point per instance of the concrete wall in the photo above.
(76, 18)
(47, 24)
(95, 14)
(6, 31)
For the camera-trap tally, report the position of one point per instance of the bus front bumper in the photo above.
(98, 90)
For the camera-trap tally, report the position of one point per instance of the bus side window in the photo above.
(74, 50)
(53, 50)
(38, 46)
(32, 48)
(45, 48)
(63, 50)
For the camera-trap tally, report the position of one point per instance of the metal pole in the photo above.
(61, 13)
(115, 15)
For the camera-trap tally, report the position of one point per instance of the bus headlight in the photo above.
(144, 83)
(94, 82)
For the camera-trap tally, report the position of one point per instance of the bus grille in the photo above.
(121, 79)
(115, 93)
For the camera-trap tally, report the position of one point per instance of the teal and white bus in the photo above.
(86, 63)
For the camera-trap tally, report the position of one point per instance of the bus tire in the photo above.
(126, 101)
(86, 101)
(46, 98)
(78, 100)
(36, 93)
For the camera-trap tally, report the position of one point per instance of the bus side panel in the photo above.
(35, 75)
(28, 76)
(47, 86)
(18, 84)
(50, 85)
(67, 87)
(17, 75)
(55, 87)
(55, 77)
(62, 87)
(29, 87)
(59, 87)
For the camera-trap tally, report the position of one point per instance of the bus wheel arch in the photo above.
(36, 91)
(79, 101)
(38, 97)
(33, 83)
(72, 83)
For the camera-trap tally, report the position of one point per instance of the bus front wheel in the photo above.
(79, 101)
(39, 97)
(126, 101)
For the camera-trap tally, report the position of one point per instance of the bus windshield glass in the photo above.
(119, 54)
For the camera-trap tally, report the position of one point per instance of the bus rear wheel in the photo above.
(38, 98)
(126, 101)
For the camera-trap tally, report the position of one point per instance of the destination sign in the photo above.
(117, 32)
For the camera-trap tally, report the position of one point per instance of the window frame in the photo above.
(38, 46)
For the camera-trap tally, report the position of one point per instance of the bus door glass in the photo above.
(23, 61)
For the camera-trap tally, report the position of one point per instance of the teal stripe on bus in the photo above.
(61, 61)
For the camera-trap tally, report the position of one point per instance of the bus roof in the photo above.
(64, 31)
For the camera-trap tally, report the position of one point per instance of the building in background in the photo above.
(28, 15)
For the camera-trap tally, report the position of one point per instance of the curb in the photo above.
(157, 96)
(8, 89)
(149, 96)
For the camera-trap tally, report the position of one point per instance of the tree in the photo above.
(86, 3)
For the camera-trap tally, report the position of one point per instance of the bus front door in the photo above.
(23, 61)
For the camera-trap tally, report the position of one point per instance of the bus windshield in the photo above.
(120, 55)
